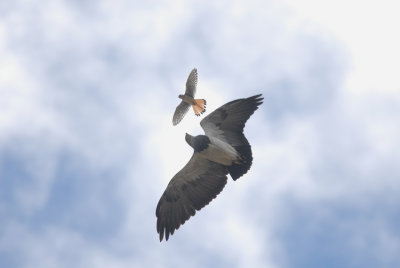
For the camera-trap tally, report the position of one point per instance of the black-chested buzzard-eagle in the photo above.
(223, 149)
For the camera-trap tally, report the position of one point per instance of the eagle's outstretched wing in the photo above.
(227, 123)
(190, 189)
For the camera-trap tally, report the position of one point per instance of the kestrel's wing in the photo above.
(227, 123)
(180, 112)
(191, 83)
(190, 189)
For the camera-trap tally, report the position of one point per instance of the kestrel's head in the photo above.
(180, 96)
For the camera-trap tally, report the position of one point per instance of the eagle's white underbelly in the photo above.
(220, 152)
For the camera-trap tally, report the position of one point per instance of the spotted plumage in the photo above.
(198, 105)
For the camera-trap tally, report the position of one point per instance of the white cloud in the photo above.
(100, 82)
(368, 29)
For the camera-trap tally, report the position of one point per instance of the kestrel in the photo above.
(223, 149)
(199, 105)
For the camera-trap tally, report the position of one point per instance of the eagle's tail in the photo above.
(199, 107)
(241, 167)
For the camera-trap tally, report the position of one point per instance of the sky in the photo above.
(87, 146)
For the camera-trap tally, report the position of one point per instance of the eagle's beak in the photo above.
(188, 138)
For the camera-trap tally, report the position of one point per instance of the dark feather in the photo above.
(190, 189)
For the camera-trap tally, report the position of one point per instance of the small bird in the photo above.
(223, 149)
(199, 105)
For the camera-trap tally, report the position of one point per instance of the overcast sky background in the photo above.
(87, 146)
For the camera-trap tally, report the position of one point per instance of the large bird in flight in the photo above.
(199, 105)
(223, 149)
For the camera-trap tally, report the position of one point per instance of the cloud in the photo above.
(370, 44)
(87, 144)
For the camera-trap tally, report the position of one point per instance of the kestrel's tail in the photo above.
(199, 107)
